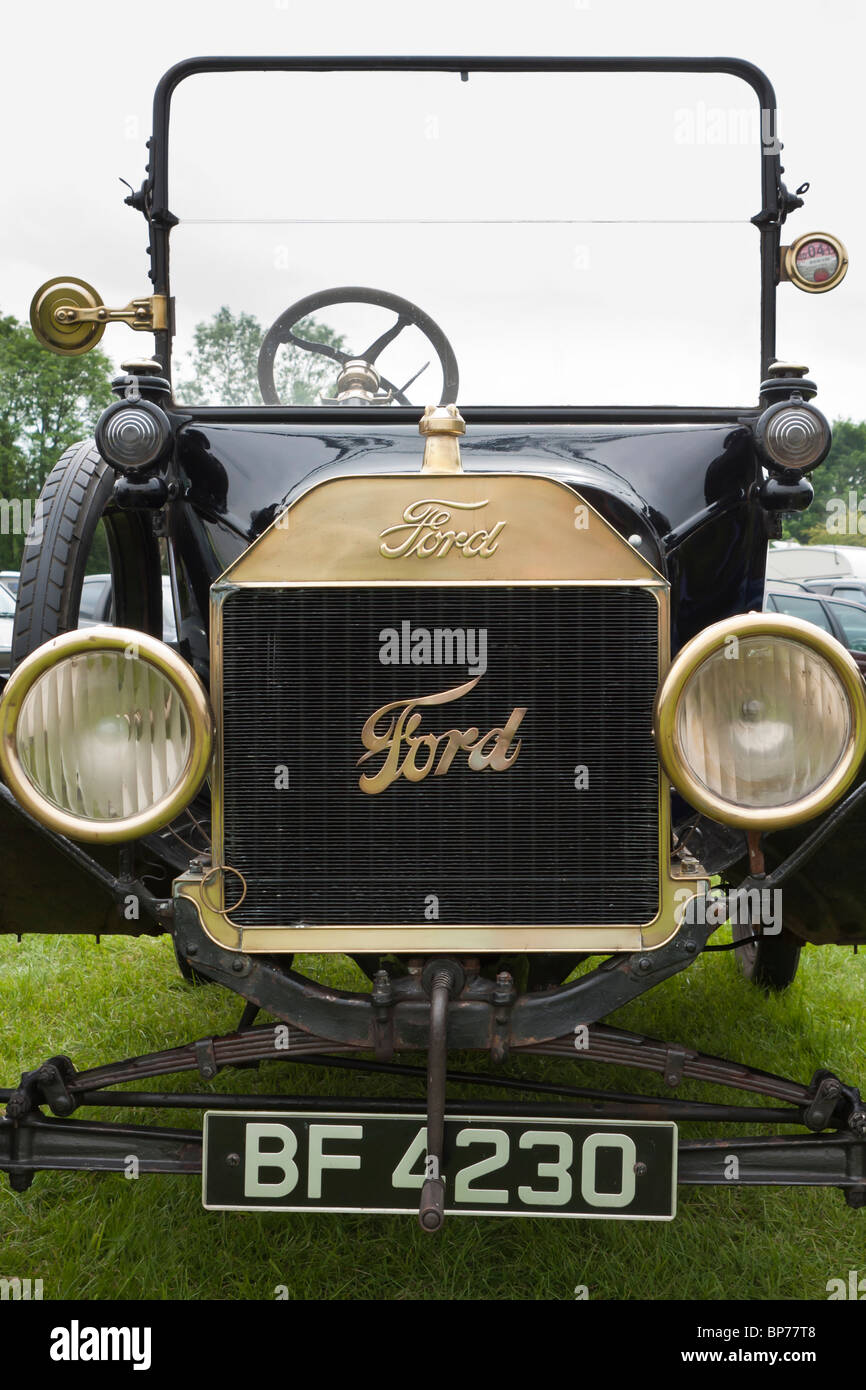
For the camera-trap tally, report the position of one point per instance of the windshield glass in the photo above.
(572, 238)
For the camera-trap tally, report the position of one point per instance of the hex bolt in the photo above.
(644, 964)
(503, 994)
(381, 988)
(238, 965)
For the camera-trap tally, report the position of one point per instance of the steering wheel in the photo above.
(407, 314)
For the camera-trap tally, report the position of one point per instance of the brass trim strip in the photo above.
(219, 587)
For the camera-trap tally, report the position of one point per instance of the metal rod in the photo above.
(407, 416)
(431, 1210)
(617, 1106)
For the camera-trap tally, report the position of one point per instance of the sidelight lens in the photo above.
(793, 435)
(133, 434)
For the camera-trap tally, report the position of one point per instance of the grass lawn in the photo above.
(103, 1236)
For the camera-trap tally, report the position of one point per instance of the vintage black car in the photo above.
(495, 712)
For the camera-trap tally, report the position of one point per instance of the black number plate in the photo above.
(302, 1161)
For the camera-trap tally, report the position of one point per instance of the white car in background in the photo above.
(95, 606)
(804, 562)
(7, 616)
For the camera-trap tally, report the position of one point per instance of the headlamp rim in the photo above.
(93, 641)
(687, 662)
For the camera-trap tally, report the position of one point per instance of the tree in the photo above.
(46, 404)
(224, 361)
(838, 514)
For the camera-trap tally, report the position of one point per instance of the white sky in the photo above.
(76, 99)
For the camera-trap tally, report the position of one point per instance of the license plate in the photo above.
(303, 1161)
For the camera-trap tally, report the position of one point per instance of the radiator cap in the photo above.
(441, 424)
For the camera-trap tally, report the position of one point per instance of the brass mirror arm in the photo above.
(148, 315)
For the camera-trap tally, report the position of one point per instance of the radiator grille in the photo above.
(301, 676)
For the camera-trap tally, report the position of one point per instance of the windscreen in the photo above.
(570, 239)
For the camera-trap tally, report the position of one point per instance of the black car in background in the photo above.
(849, 588)
(842, 618)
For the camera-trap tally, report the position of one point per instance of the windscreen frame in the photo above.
(768, 219)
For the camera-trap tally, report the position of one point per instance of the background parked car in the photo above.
(805, 562)
(7, 614)
(840, 617)
(96, 607)
(96, 604)
(849, 588)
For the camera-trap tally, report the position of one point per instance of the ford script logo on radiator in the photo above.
(392, 730)
(420, 532)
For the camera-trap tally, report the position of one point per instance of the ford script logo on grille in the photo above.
(391, 730)
(420, 532)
